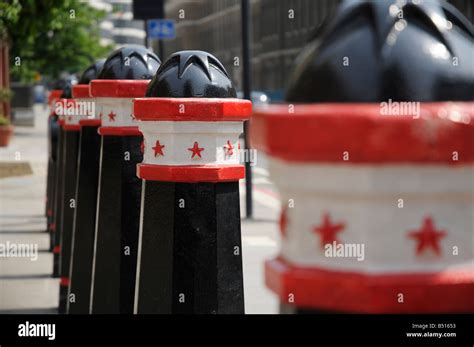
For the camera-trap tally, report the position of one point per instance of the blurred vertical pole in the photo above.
(145, 24)
(247, 87)
(161, 46)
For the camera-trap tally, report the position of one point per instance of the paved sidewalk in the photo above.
(26, 285)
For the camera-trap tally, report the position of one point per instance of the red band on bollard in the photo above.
(119, 131)
(53, 95)
(192, 109)
(374, 293)
(118, 88)
(80, 91)
(71, 127)
(190, 174)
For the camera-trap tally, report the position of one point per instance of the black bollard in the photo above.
(82, 244)
(125, 75)
(57, 213)
(71, 132)
(52, 155)
(190, 252)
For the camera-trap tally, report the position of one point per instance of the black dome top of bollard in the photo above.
(130, 62)
(191, 74)
(373, 51)
(67, 91)
(92, 72)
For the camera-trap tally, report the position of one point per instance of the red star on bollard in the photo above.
(229, 148)
(112, 116)
(158, 148)
(427, 237)
(196, 150)
(328, 231)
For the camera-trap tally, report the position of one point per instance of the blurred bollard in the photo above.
(82, 244)
(58, 208)
(373, 157)
(190, 251)
(71, 130)
(52, 154)
(125, 75)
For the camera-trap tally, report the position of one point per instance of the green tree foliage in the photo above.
(49, 37)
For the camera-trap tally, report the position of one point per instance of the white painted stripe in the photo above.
(178, 137)
(259, 241)
(349, 179)
(116, 112)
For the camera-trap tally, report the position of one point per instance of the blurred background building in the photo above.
(119, 27)
(279, 30)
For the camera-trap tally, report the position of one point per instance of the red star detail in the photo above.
(283, 222)
(196, 150)
(328, 231)
(142, 147)
(427, 236)
(238, 145)
(158, 148)
(112, 116)
(229, 148)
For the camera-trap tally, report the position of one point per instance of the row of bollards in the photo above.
(372, 155)
(165, 239)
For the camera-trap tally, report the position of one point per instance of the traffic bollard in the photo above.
(125, 75)
(373, 159)
(52, 154)
(55, 226)
(82, 244)
(71, 130)
(190, 251)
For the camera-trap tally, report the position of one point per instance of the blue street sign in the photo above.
(161, 29)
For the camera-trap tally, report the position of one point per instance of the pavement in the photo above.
(26, 283)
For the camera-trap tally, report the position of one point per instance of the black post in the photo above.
(53, 129)
(145, 26)
(247, 88)
(58, 198)
(82, 243)
(124, 76)
(161, 44)
(71, 140)
(80, 271)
